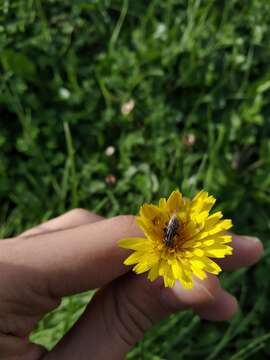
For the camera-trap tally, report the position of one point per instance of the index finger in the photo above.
(77, 259)
(246, 251)
(87, 257)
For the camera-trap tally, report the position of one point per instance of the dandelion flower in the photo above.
(181, 238)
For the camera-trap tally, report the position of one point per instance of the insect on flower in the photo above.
(181, 239)
(170, 230)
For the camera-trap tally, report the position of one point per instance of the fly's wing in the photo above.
(171, 230)
(169, 235)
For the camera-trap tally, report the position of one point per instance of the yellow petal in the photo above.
(168, 282)
(135, 243)
(207, 243)
(198, 252)
(165, 270)
(213, 220)
(149, 211)
(218, 251)
(174, 202)
(146, 264)
(216, 239)
(146, 226)
(211, 231)
(200, 195)
(184, 211)
(153, 273)
(198, 263)
(199, 272)
(191, 244)
(134, 258)
(223, 239)
(177, 269)
(220, 226)
(202, 203)
(162, 204)
(186, 276)
(211, 266)
(164, 267)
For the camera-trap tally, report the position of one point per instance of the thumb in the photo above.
(120, 313)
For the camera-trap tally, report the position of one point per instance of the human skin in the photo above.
(78, 251)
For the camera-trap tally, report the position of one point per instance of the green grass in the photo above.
(192, 67)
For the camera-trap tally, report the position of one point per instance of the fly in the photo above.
(171, 230)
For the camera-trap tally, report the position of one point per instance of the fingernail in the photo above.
(252, 239)
(255, 242)
(223, 309)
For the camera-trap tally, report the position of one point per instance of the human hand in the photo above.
(77, 252)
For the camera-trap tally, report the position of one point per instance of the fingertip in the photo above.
(224, 307)
(206, 298)
(247, 251)
(253, 248)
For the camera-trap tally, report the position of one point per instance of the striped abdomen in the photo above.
(171, 230)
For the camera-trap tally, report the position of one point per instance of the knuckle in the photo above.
(127, 220)
(80, 213)
(128, 224)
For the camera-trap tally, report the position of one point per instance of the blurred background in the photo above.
(108, 104)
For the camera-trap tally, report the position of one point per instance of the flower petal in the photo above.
(199, 272)
(146, 264)
(202, 203)
(174, 202)
(162, 204)
(211, 266)
(177, 269)
(164, 267)
(198, 238)
(153, 273)
(135, 243)
(134, 258)
(220, 226)
(218, 251)
(168, 282)
(149, 211)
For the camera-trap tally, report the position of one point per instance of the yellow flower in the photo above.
(180, 239)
